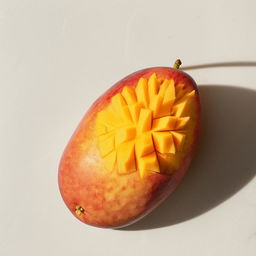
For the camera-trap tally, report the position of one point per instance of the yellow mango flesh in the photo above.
(153, 86)
(125, 134)
(144, 128)
(178, 139)
(107, 145)
(144, 145)
(164, 142)
(156, 106)
(147, 164)
(109, 160)
(129, 95)
(163, 87)
(169, 94)
(145, 120)
(181, 122)
(126, 158)
(134, 112)
(166, 123)
(142, 92)
(121, 108)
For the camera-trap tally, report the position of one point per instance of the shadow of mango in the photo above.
(225, 160)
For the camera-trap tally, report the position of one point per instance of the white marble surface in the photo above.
(57, 56)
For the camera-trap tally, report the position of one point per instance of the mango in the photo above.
(132, 148)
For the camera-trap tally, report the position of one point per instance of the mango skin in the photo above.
(111, 200)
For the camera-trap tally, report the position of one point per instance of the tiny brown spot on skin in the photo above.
(79, 210)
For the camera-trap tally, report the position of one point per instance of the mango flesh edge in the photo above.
(112, 199)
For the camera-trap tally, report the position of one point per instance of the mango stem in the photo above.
(177, 64)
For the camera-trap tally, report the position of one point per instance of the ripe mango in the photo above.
(132, 148)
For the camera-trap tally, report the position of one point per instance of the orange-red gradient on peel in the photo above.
(118, 196)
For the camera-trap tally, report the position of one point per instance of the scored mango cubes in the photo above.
(141, 122)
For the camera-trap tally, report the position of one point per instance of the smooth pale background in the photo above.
(58, 56)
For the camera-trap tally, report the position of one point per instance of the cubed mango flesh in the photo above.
(166, 123)
(129, 95)
(126, 158)
(148, 164)
(144, 145)
(142, 92)
(153, 86)
(143, 123)
(145, 120)
(163, 142)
